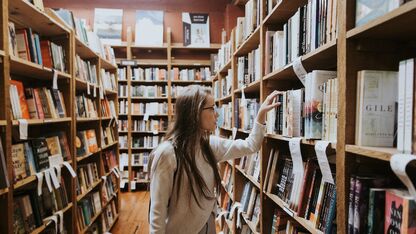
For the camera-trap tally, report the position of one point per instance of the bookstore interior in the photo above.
(88, 92)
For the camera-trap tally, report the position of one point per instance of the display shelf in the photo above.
(36, 71)
(380, 153)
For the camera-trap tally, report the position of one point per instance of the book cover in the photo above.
(108, 24)
(19, 162)
(12, 39)
(30, 160)
(38, 103)
(92, 141)
(22, 44)
(367, 10)
(196, 29)
(81, 143)
(22, 98)
(63, 142)
(149, 28)
(41, 153)
(376, 210)
(400, 212)
(54, 145)
(376, 108)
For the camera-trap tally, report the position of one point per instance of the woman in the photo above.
(184, 173)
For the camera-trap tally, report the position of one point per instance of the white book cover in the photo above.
(376, 111)
(149, 28)
(401, 106)
(108, 24)
(196, 29)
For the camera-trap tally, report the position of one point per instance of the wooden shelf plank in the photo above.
(3, 123)
(83, 50)
(19, 184)
(133, 82)
(283, 11)
(163, 47)
(93, 186)
(249, 177)
(204, 82)
(251, 43)
(109, 92)
(190, 63)
(303, 222)
(87, 156)
(150, 116)
(107, 65)
(180, 46)
(304, 141)
(22, 67)
(380, 153)
(83, 85)
(250, 224)
(253, 87)
(324, 57)
(109, 145)
(4, 191)
(82, 119)
(225, 68)
(44, 121)
(26, 14)
(227, 98)
(389, 26)
(150, 98)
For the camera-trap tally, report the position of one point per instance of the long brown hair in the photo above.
(186, 135)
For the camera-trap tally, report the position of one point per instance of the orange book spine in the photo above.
(22, 98)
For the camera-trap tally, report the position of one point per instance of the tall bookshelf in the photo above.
(372, 46)
(25, 15)
(131, 56)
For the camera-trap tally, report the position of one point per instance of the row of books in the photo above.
(86, 142)
(152, 125)
(224, 55)
(375, 206)
(29, 209)
(108, 135)
(140, 176)
(311, 197)
(312, 26)
(247, 24)
(140, 159)
(148, 91)
(392, 100)
(36, 103)
(109, 215)
(148, 74)
(87, 37)
(85, 107)
(283, 224)
(151, 108)
(123, 125)
(108, 80)
(85, 70)
(108, 108)
(28, 45)
(146, 141)
(203, 73)
(109, 160)
(248, 68)
(250, 203)
(251, 166)
(227, 83)
(123, 107)
(87, 176)
(225, 115)
(216, 89)
(228, 179)
(122, 73)
(122, 142)
(310, 112)
(33, 156)
(4, 178)
(177, 90)
(226, 206)
(245, 113)
(87, 209)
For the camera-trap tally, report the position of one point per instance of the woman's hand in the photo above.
(267, 105)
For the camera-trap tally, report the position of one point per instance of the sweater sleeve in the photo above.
(225, 149)
(163, 169)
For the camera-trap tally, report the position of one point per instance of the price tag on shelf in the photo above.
(398, 164)
(70, 169)
(54, 219)
(58, 172)
(234, 132)
(54, 79)
(320, 149)
(54, 178)
(298, 171)
(88, 88)
(146, 117)
(94, 91)
(133, 185)
(60, 214)
(48, 180)
(39, 176)
(155, 132)
(55, 160)
(23, 129)
(299, 69)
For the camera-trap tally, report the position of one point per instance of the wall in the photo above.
(172, 17)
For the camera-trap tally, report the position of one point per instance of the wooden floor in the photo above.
(133, 213)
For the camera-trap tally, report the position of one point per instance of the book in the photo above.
(41, 153)
(108, 25)
(376, 98)
(370, 10)
(12, 39)
(24, 109)
(196, 31)
(81, 143)
(91, 141)
(19, 162)
(149, 28)
(376, 210)
(400, 210)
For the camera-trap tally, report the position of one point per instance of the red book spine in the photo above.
(38, 104)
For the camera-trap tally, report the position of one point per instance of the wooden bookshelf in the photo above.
(25, 15)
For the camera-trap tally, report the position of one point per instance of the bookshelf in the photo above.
(33, 75)
(372, 46)
(132, 58)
